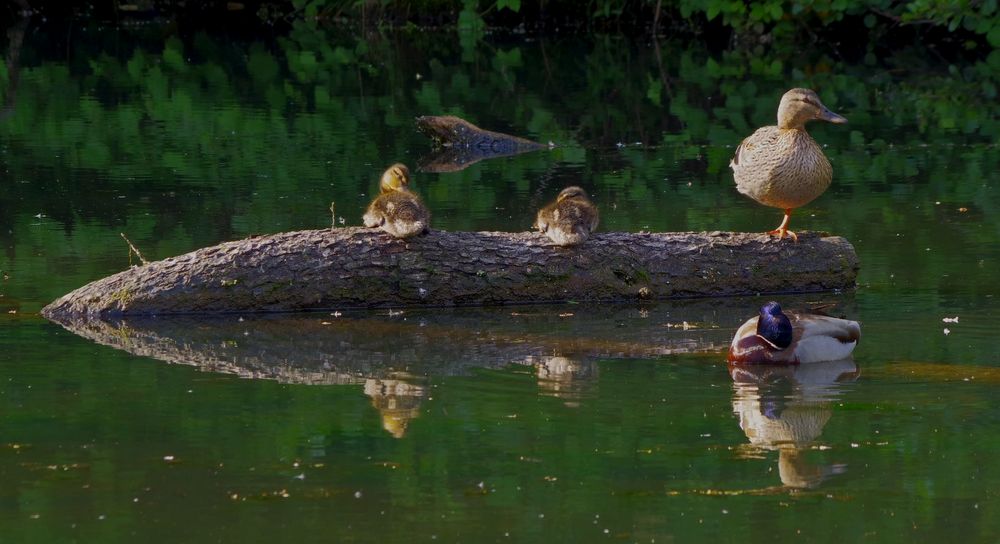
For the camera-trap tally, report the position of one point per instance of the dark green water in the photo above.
(613, 423)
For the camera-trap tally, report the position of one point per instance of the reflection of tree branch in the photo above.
(656, 19)
(15, 38)
(545, 62)
(659, 64)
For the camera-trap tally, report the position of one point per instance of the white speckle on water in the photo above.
(950, 319)
(947, 331)
(357, 494)
(168, 457)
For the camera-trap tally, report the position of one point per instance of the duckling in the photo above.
(774, 337)
(570, 219)
(782, 166)
(396, 210)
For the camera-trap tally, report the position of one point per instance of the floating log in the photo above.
(356, 267)
(462, 144)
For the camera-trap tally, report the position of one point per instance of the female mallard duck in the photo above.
(570, 219)
(396, 210)
(782, 166)
(774, 337)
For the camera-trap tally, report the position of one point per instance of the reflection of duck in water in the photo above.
(570, 219)
(785, 408)
(396, 210)
(397, 401)
(782, 166)
(776, 337)
(564, 377)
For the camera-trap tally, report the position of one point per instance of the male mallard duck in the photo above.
(570, 219)
(396, 210)
(774, 337)
(782, 166)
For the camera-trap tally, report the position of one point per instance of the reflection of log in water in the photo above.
(785, 409)
(323, 349)
(356, 267)
(455, 159)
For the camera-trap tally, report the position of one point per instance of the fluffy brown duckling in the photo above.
(396, 210)
(782, 166)
(570, 219)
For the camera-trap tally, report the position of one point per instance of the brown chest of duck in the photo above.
(397, 210)
(782, 166)
(570, 219)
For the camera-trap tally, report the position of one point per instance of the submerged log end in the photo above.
(357, 268)
(448, 130)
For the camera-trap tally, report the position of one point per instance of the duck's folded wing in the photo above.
(823, 338)
(738, 156)
(843, 330)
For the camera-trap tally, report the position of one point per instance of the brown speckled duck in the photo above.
(782, 166)
(396, 210)
(570, 219)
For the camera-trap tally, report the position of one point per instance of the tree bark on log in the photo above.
(356, 267)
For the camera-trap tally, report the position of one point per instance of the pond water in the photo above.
(569, 423)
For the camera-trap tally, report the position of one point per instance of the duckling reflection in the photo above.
(564, 377)
(397, 401)
(785, 408)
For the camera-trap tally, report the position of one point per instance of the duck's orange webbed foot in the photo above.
(782, 229)
(782, 232)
